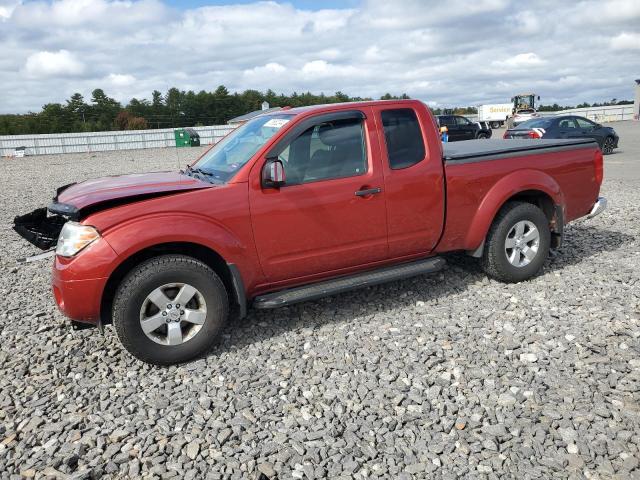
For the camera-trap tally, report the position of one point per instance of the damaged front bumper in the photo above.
(39, 228)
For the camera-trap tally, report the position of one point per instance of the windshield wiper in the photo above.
(209, 175)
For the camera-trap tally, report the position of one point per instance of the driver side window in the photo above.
(326, 151)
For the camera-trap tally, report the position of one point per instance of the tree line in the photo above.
(179, 108)
(176, 108)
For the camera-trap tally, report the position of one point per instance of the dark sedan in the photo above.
(566, 126)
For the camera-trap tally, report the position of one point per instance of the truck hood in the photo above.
(90, 193)
(79, 199)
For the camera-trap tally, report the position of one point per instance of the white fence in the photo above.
(103, 141)
(612, 113)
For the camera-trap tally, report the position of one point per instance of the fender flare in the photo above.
(506, 188)
(132, 237)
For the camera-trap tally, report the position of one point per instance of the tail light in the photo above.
(598, 163)
(533, 134)
(506, 134)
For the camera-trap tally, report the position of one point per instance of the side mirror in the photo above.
(273, 175)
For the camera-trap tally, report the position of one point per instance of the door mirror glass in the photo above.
(273, 175)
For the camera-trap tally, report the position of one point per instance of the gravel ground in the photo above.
(443, 376)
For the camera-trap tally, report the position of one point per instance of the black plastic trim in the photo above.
(238, 286)
(347, 283)
(557, 234)
(38, 228)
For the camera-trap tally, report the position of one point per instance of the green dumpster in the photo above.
(187, 137)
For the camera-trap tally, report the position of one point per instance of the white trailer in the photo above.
(495, 114)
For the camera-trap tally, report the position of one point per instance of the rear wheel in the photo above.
(495, 125)
(517, 244)
(607, 146)
(482, 136)
(170, 309)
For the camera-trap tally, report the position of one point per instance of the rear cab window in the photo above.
(403, 138)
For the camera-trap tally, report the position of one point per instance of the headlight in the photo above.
(74, 237)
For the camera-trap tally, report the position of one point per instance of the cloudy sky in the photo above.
(451, 52)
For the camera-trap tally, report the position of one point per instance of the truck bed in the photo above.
(482, 172)
(494, 149)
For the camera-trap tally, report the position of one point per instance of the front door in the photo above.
(320, 220)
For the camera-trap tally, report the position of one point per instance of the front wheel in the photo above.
(170, 309)
(517, 243)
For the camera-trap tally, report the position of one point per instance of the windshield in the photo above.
(536, 123)
(229, 155)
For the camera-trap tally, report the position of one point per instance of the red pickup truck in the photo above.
(299, 204)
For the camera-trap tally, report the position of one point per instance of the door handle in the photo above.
(368, 191)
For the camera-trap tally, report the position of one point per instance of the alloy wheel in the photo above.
(522, 243)
(173, 314)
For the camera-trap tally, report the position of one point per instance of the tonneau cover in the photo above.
(479, 150)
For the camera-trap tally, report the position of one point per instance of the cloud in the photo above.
(522, 60)
(446, 53)
(121, 80)
(53, 64)
(6, 9)
(626, 41)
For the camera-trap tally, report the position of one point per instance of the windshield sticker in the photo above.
(276, 123)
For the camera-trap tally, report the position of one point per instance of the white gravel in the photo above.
(443, 376)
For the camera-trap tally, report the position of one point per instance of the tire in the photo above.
(495, 125)
(175, 333)
(525, 257)
(607, 146)
(482, 136)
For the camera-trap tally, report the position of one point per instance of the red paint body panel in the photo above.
(296, 234)
(78, 282)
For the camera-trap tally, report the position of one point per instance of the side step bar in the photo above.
(344, 284)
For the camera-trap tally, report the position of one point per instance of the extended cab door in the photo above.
(330, 212)
(413, 180)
